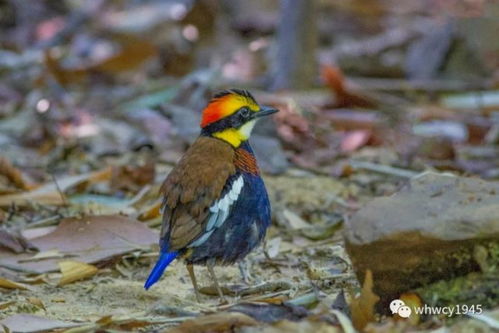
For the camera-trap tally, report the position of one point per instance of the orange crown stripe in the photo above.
(213, 112)
(225, 106)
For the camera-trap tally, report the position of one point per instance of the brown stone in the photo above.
(426, 232)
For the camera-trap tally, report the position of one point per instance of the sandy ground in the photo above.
(300, 262)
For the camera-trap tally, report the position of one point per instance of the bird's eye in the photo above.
(245, 112)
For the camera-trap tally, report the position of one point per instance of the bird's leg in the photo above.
(190, 269)
(245, 271)
(209, 265)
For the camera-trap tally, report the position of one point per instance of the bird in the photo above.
(215, 205)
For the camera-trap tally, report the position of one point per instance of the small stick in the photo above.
(386, 169)
(63, 197)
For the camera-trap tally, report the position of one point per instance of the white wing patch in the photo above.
(220, 211)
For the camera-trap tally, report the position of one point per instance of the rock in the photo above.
(269, 153)
(268, 150)
(429, 231)
(426, 56)
(445, 51)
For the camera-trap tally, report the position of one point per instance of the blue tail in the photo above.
(164, 260)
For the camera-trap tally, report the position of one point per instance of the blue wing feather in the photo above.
(164, 260)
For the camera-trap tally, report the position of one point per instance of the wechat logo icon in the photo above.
(398, 306)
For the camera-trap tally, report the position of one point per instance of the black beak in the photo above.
(265, 111)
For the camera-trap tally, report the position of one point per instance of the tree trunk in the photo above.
(295, 64)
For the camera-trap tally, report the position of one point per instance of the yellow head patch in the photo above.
(235, 136)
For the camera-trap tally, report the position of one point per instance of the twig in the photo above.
(63, 197)
(304, 300)
(429, 85)
(265, 287)
(44, 222)
(139, 195)
(19, 269)
(385, 169)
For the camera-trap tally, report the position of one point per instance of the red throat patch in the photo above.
(246, 162)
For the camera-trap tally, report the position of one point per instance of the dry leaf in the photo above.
(50, 254)
(151, 212)
(74, 270)
(134, 51)
(345, 322)
(303, 326)
(62, 75)
(24, 199)
(272, 247)
(37, 232)
(218, 322)
(29, 323)
(89, 239)
(5, 305)
(58, 300)
(362, 306)
(42, 278)
(50, 193)
(12, 174)
(16, 243)
(37, 302)
(106, 320)
(335, 80)
(295, 221)
(132, 177)
(354, 140)
(8, 284)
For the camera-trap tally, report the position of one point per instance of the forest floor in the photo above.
(99, 100)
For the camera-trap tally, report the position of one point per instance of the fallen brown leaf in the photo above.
(218, 322)
(362, 306)
(151, 212)
(37, 302)
(132, 53)
(8, 284)
(53, 193)
(105, 320)
(15, 243)
(354, 140)
(6, 305)
(62, 75)
(304, 326)
(74, 270)
(89, 239)
(30, 323)
(270, 313)
(295, 221)
(12, 174)
(335, 80)
(132, 177)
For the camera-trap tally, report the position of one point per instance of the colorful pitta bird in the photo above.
(215, 205)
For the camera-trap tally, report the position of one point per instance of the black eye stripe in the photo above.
(235, 120)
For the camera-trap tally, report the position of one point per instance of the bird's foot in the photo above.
(245, 269)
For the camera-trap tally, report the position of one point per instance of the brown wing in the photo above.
(193, 185)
